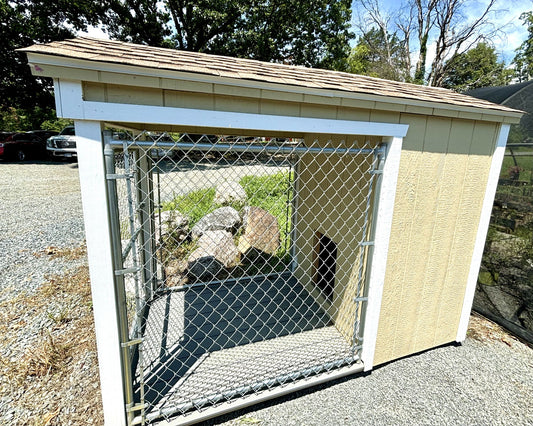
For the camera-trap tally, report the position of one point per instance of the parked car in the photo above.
(64, 144)
(3, 138)
(25, 145)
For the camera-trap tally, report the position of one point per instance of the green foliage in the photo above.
(194, 205)
(523, 60)
(26, 101)
(20, 119)
(312, 32)
(56, 124)
(378, 54)
(477, 67)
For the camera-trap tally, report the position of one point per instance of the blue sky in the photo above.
(506, 16)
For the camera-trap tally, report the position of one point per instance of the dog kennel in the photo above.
(254, 229)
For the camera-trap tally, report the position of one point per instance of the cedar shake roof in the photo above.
(117, 52)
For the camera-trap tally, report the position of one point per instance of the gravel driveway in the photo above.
(40, 206)
(486, 381)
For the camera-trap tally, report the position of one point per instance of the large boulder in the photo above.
(230, 192)
(221, 219)
(261, 231)
(216, 251)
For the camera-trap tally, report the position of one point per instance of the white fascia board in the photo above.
(39, 58)
(384, 202)
(74, 107)
(483, 227)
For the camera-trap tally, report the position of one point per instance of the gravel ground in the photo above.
(486, 381)
(40, 206)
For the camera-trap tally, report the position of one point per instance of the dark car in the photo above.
(4, 136)
(25, 145)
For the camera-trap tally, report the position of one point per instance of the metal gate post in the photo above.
(146, 220)
(98, 228)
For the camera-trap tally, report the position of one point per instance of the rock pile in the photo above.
(213, 238)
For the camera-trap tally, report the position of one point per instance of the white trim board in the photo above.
(99, 253)
(482, 230)
(383, 212)
(73, 106)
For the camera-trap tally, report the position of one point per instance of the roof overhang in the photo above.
(90, 70)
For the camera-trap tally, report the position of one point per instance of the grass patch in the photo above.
(194, 205)
(55, 373)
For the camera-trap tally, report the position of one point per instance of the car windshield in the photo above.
(68, 131)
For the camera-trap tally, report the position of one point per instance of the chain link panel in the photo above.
(243, 262)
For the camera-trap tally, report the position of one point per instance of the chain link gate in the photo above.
(240, 263)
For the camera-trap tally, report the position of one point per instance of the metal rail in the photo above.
(224, 147)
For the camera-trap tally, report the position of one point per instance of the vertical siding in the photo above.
(443, 170)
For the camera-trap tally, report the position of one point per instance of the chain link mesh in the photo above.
(242, 262)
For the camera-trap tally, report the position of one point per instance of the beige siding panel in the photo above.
(416, 134)
(322, 100)
(134, 95)
(282, 96)
(431, 325)
(484, 138)
(177, 99)
(390, 106)
(445, 112)
(357, 103)
(476, 177)
(384, 116)
(429, 173)
(129, 79)
(234, 104)
(95, 92)
(272, 107)
(186, 86)
(470, 115)
(245, 92)
(438, 204)
(353, 114)
(401, 235)
(318, 111)
(414, 109)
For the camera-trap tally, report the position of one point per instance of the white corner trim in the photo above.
(73, 106)
(482, 230)
(384, 202)
(98, 236)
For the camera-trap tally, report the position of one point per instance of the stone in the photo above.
(261, 231)
(230, 192)
(175, 272)
(216, 251)
(174, 226)
(221, 219)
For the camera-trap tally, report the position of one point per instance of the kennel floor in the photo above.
(210, 344)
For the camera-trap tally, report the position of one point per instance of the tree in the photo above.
(523, 61)
(442, 23)
(25, 101)
(478, 67)
(378, 54)
(314, 33)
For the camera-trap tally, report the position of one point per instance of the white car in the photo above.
(63, 145)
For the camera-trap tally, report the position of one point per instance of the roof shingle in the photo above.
(109, 51)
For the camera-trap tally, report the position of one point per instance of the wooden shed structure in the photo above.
(374, 197)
